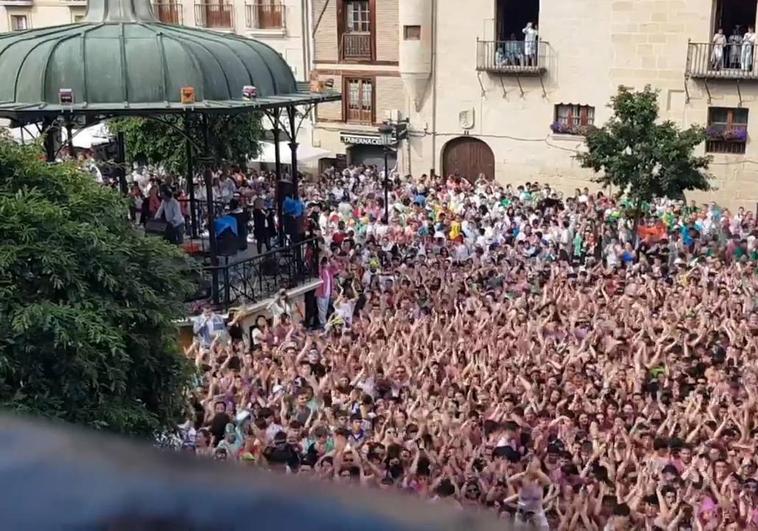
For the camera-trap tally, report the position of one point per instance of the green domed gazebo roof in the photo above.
(121, 60)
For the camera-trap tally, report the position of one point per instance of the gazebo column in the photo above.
(278, 169)
(293, 147)
(208, 177)
(296, 236)
(70, 134)
(49, 131)
(190, 176)
(121, 162)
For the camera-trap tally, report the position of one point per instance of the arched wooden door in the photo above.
(468, 157)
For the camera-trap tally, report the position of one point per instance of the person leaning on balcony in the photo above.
(513, 51)
(748, 43)
(717, 55)
(735, 48)
(530, 44)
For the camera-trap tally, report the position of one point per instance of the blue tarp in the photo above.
(225, 223)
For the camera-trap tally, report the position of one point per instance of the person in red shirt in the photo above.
(339, 235)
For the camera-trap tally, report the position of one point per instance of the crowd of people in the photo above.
(504, 349)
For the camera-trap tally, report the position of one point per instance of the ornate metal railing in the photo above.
(356, 47)
(265, 16)
(219, 16)
(730, 61)
(256, 278)
(201, 215)
(512, 57)
(169, 12)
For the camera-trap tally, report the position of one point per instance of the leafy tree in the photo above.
(642, 156)
(87, 303)
(230, 138)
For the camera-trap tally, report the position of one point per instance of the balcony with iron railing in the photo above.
(356, 46)
(512, 57)
(214, 16)
(706, 60)
(168, 12)
(263, 16)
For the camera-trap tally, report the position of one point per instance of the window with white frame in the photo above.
(357, 16)
(19, 22)
(359, 104)
(573, 119)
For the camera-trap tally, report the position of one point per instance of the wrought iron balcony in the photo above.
(356, 46)
(512, 57)
(731, 61)
(169, 12)
(216, 16)
(265, 16)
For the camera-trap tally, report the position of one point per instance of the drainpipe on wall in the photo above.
(309, 42)
(306, 37)
(434, 84)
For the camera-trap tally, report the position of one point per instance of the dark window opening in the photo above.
(512, 16)
(412, 33)
(358, 16)
(731, 15)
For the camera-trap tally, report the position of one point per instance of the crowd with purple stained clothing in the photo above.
(563, 362)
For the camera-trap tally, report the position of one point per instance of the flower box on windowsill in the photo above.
(561, 129)
(726, 140)
(724, 134)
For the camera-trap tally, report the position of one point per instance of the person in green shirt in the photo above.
(578, 245)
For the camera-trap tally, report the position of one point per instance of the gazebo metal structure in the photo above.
(121, 61)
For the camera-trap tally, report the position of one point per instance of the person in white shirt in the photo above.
(460, 253)
(207, 326)
(172, 211)
(280, 306)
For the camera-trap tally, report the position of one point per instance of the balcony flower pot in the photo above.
(714, 133)
(735, 134)
(559, 128)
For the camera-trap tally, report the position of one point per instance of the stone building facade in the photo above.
(479, 99)
(356, 49)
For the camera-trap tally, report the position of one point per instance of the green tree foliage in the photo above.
(86, 302)
(230, 139)
(642, 156)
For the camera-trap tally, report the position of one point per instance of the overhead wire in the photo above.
(547, 139)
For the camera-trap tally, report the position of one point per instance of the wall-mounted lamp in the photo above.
(249, 92)
(65, 96)
(187, 95)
